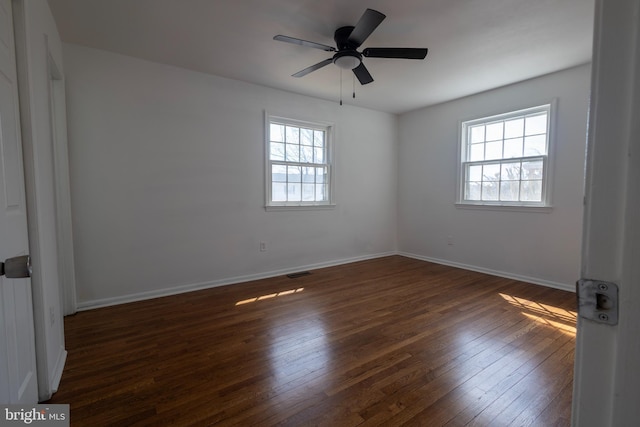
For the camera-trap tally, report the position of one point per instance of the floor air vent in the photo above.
(298, 274)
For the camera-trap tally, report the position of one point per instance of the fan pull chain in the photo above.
(340, 86)
(354, 86)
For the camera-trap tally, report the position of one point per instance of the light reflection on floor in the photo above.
(297, 349)
(487, 385)
(299, 355)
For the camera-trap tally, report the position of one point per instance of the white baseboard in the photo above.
(521, 278)
(58, 369)
(49, 377)
(105, 302)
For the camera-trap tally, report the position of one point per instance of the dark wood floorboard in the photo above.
(392, 341)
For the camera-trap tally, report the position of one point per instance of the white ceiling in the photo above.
(473, 45)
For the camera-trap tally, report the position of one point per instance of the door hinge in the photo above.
(598, 301)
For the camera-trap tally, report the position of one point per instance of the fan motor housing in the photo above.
(341, 36)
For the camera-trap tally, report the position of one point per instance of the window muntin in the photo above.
(298, 165)
(504, 159)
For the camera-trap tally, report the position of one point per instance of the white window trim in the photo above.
(545, 206)
(329, 129)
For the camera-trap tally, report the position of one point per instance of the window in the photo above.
(298, 163)
(505, 159)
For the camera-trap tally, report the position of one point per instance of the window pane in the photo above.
(293, 174)
(531, 191)
(279, 192)
(491, 173)
(306, 154)
(509, 191)
(510, 171)
(493, 150)
(278, 173)
(536, 124)
(318, 155)
(292, 135)
(318, 138)
(308, 174)
(294, 192)
(474, 173)
(476, 134)
(306, 136)
(320, 193)
(292, 153)
(535, 145)
(494, 131)
(514, 128)
(476, 152)
(308, 192)
(532, 170)
(489, 191)
(276, 151)
(276, 132)
(472, 190)
(320, 174)
(512, 148)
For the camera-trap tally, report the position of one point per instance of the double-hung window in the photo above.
(505, 159)
(298, 163)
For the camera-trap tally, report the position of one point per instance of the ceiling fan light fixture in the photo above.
(347, 60)
(348, 39)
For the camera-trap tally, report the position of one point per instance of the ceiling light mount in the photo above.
(341, 37)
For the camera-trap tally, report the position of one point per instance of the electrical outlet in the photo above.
(52, 315)
(450, 240)
(263, 246)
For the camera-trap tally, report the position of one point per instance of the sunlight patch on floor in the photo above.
(559, 318)
(269, 296)
(571, 330)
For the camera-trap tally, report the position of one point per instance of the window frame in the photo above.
(545, 204)
(328, 129)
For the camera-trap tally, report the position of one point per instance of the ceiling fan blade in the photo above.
(305, 43)
(313, 68)
(368, 22)
(362, 74)
(395, 52)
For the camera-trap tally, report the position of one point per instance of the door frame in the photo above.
(58, 117)
(607, 364)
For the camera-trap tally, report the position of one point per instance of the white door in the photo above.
(18, 380)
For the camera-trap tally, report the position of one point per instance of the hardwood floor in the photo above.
(392, 341)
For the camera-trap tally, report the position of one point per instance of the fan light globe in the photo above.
(347, 62)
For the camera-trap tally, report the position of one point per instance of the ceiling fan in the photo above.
(348, 39)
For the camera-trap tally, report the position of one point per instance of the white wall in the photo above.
(538, 247)
(167, 174)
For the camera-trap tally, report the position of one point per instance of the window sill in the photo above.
(329, 206)
(503, 208)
